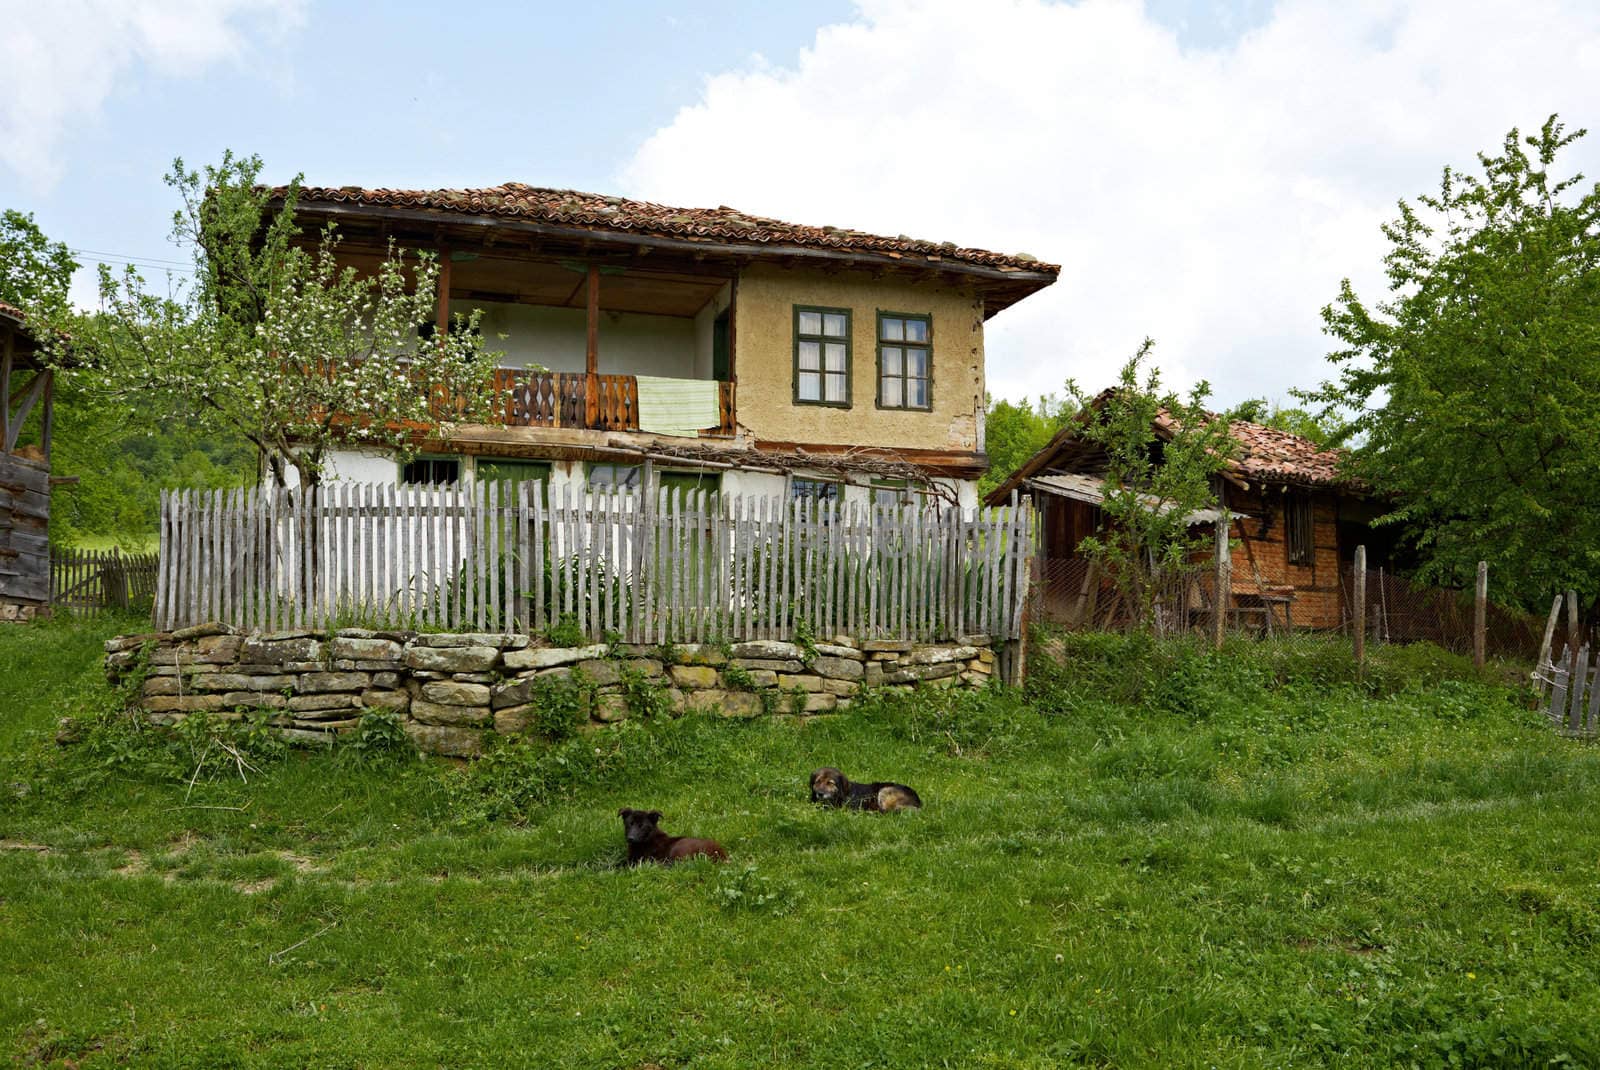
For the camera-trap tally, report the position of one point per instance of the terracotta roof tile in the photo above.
(1274, 456)
(595, 211)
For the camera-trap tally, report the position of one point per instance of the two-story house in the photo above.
(699, 347)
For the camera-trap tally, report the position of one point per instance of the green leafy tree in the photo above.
(1162, 457)
(1294, 420)
(35, 272)
(276, 342)
(1473, 389)
(1015, 431)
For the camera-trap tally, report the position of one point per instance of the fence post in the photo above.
(1549, 635)
(1572, 623)
(1223, 586)
(1358, 608)
(1480, 615)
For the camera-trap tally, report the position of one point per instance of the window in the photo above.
(604, 476)
(491, 470)
(905, 361)
(681, 485)
(1298, 529)
(435, 471)
(822, 356)
(823, 490)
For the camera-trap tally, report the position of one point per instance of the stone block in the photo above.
(833, 650)
(511, 693)
(600, 673)
(843, 640)
(182, 670)
(938, 655)
(133, 642)
(218, 649)
(437, 713)
(837, 668)
(313, 683)
(184, 703)
(760, 678)
(399, 701)
(452, 659)
(297, 647)
(694, 677)
(513, 719)
(804, 683)
(975, 640)
(768, 665)
(229, 681)
(986, 656)
(450, 740)
(915, 673)
(874, 674)
(200, 631)
(365, 649)
(161, 685)
(455, 693)
(261, 700)
(309, 703)
(887, 646)
(769, 649)
(977, 665)
(701, 701)
(840, 687)
(339, 728)
(651, 668)
(609, 709)
(386, 681)
(447, 640)
(475, 677)
(821, 703)
(548, 657)
(739, 704)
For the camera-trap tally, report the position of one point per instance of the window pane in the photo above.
(833, 325)
(810, 386)
(835, 387)
(917, 363)
(809, 355)
(891, 360)
(614, 475)
(810, 323)
(917, 393)
(835, 354)
(892, 396)
(916, 330)
(893, 330)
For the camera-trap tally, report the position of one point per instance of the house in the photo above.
(697, 347)
(26, 424)
(1296, 520)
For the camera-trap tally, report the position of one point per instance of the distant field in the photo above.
(1155, 858)
(147, 545)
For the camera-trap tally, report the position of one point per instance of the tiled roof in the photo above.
(594, 211)
(12, 312)
(1274, 456)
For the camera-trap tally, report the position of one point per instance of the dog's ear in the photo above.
(624, 812)
(654, 815)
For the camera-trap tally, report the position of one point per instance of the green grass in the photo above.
(1157, 857)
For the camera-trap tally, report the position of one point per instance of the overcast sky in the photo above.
(1204, 172)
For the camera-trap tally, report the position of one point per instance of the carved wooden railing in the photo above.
(579, 400)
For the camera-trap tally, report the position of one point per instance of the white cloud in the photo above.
(61, 59)
(1211, 199)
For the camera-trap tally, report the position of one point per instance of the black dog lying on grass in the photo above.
(833, 788)
(647, 843)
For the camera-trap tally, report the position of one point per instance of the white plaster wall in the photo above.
(703, 322)
(556, 339)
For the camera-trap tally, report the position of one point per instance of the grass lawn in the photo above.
(1156, 857)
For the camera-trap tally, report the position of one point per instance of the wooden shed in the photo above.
(26, 390)
(1296, 521)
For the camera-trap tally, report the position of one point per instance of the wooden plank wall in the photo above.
(668, 567)
(1318, 595)
(24, 531)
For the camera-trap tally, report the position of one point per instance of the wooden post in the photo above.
(1549, 634)
(1223, 583)
(5, 386)
(1358, 609)
(1480, 615)
(1572, 623)
(443, 313)
(592, 350)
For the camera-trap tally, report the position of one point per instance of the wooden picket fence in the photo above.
(89, 581)
(1573, 690)
(674, 566)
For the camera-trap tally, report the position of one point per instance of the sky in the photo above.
(1204, 172)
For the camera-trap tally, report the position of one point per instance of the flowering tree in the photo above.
(275, 341)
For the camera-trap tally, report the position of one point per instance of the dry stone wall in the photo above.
(454, 690)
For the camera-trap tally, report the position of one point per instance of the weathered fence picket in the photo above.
(1574, 692)
(89, 581)
(672, 566)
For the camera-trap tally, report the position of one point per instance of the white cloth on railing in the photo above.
(682, 407)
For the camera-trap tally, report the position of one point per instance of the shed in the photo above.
(26, 389)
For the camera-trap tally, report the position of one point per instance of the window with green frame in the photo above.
(506, 470)
(905, 361)
(682, 484)
(822, 356)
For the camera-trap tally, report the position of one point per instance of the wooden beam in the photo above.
(49, 424)
(16, 419)
(592, 349)
(5, 384)
(443, 323)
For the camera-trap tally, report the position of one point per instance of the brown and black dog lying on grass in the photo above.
(832, 788)
(647, 843)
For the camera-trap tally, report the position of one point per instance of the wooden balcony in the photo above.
(590, 402)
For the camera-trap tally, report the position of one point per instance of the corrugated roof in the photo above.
(618, 214)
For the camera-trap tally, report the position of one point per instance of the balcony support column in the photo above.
(592, 349)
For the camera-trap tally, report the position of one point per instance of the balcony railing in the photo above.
(590, 402)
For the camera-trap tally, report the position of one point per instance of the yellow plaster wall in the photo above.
(764, 352)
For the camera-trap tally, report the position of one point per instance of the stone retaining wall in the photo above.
(455, 688)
